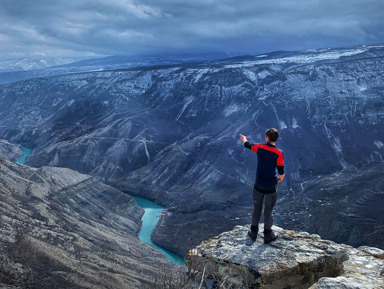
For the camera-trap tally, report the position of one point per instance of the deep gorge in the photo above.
(170, 134)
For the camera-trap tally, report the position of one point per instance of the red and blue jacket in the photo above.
(268, 159)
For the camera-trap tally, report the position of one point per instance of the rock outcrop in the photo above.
(10, 151)
(294, 260)
(364, 270)
(62, 229)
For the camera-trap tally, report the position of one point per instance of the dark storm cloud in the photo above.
(78, 27)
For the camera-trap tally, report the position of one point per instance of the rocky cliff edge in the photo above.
(294, 260)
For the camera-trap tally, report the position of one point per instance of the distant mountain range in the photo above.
(25, 68)
(26, 64)
(170, 133)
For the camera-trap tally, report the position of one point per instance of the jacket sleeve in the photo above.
(251, 146)
(280, 164)
(247, 145)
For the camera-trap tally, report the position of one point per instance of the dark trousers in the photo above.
(270, 201)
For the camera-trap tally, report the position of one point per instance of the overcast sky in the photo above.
(114, 27)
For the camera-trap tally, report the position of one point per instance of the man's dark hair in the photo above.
(273, 134)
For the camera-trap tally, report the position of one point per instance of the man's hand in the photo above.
(280, 178)
(243, 138)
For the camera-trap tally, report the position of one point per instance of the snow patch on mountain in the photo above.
(331, 55)
(146, 149)
(263, 74)
(200, 73)
(379, 144)
(336, 146)
(294, 123)
(186, 104)
(282, 125)
(231, 109)
(24, 64)
(250, 75)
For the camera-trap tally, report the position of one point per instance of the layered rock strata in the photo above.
(10, 151)
(364, 270)
(294, 260)
(62, 229)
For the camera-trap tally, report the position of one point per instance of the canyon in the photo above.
(62, 229)
(169, 133)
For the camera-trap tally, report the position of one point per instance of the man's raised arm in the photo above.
(246, 143)
(243, 138)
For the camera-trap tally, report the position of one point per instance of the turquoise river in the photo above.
(152, 212)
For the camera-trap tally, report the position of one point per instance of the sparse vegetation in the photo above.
(193, 276)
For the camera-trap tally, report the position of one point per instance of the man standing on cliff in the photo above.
(269, 158)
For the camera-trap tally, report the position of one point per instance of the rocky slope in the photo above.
(345, 207)
(294, 260)
(170, 133)
(61, 229)
(10, 151)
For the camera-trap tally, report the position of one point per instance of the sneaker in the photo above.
(269, 237)
(252, 232)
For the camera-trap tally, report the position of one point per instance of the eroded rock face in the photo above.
(10, 151)
(62, 229)
(294, 260)
(363, 270)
